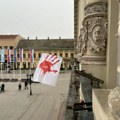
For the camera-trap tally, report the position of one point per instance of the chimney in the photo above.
(36, 38)
(59, 37)
(48, 38)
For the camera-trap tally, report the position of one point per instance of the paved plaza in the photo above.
(46, 102)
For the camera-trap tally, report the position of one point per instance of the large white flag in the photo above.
(47, 70)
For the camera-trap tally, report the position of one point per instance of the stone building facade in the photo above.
(96, 26)
(59, 47)
(95, 41)
(9, 41)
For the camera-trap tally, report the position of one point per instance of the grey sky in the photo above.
(37, 18)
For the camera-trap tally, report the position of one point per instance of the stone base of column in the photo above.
(92, 60)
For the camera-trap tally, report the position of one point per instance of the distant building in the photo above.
(59, 47)
(8, 42)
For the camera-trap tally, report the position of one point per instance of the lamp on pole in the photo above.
(29, 76)
(30, 84)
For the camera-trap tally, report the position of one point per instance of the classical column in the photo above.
(93, 35)
(114, 96)
(92, 43)
(78, 18)
(112, 44)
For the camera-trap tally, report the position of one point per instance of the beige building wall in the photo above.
(82, 4)
(98, 70)
(66, 59)
(18, 38)
(111, 70)
(7, 41)
(10, 41)
(107, 72)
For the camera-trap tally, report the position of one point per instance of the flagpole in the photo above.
(13, 70)
(7, 69)
(20, 56)
(1, 69)
(14, 60)
(2, 60)
(7, 63)
(20, 71)
(30, 59)
(30, 67)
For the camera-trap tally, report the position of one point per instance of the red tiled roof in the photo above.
(8, 36)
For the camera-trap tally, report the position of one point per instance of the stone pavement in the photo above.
(46, 103)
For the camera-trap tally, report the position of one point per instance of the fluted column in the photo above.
(78, 18)
(91, 44)
(93, 35)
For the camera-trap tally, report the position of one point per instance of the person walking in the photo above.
(2, 87)
(26, 83)
(19, 86)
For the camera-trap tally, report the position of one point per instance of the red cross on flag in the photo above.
(47, 70)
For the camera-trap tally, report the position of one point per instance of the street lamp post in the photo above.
(30, 82)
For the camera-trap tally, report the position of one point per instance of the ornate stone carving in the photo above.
(114, 101)
(93, 35)
(98, 8)
(83, 41)
(98, 35)
(77, 46)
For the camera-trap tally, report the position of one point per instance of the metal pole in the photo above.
(30, 85)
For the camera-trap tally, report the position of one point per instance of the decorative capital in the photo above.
(93, 35)
(95, 9)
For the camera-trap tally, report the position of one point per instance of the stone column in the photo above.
(78, 18)
(93, 38)
(76, 24)
(111, 70)
(114, 96)
(118, 68)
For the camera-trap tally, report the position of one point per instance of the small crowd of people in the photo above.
(2, 87)
(25, 85)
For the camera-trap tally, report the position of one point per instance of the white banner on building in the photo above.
(47, 70)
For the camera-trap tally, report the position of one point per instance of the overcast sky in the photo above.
(37, 18)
